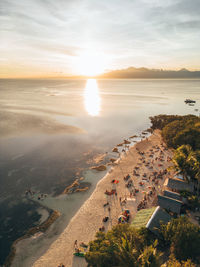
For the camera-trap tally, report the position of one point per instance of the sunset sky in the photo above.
(88, 37)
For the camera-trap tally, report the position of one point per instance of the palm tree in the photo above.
(150, 257)
(180, 160)
(194, 162)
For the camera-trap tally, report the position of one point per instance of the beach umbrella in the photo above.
(121, 219)
(127, 211)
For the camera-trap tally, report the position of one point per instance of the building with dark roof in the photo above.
(171, 194)
(170, 204)
(179, 185)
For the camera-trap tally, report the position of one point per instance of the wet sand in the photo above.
(87, 221)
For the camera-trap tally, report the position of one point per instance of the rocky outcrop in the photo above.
(99, 168)
(76, 186)
(126, 142)
(144, 133)
(81, 189)
(115, 149)
(121, 144)
(133, 136)
(71, 188)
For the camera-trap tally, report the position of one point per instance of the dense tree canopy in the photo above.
(183, 237)
(178, 130)
(183, 134)
(122, 246)
(160, 121)
(187, 162)
(181, 160)
(173, 262)
(130, 247)
(127, 246)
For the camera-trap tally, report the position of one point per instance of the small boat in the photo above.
(189, 101)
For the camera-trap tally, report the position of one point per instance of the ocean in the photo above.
(53, 131)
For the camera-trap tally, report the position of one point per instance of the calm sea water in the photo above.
(50, 132)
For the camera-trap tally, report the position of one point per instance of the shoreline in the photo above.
(87, 221)
(42, 228)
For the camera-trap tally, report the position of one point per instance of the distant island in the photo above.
(145, 73)
(128, 73)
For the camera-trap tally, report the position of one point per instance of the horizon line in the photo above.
(99, 76)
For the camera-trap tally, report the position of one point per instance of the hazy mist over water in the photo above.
(50, 130)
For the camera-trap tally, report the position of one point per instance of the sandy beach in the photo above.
(146, 163)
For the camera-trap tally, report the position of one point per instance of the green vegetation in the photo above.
(173, 262)
(150, 257)
(193, 201)
(125, 245)
(143, 217)
(187, 162)
(183, 238)
(178, 130)
(183, 134)
(179, 242)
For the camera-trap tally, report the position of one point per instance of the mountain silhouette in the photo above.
(133, 72)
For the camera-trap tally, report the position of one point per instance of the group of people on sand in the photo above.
(42, 196)
(77, 248)
(150, 164)
(149, 159)
(112, 192)
(31, 193)
(143, 203)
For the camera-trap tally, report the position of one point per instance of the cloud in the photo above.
(139, 30)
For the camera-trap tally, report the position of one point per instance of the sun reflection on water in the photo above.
(92, 98)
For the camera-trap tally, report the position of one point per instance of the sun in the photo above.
(91, 63)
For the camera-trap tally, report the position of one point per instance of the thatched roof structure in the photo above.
(142, 217)
(159, 217)
(151, 219)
